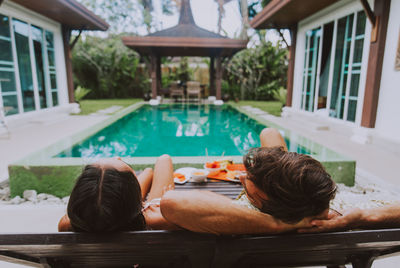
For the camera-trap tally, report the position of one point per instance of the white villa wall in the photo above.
(16, 11)
(335, 11)
(388, 114)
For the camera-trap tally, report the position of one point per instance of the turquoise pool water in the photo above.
(177, 130)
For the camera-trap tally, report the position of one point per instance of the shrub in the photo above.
(80, 93)
(258, 71)
(108, 68)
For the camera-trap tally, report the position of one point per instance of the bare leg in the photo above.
(145, 180)
(162, 178)
(271, 137)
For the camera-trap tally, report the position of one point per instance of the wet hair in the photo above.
(106, 200)
(296, 185)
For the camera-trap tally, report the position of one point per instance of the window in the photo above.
(333, 59)
(28, 74)
(21, 33)
(310, 68)
(51, 67)
(8, 89)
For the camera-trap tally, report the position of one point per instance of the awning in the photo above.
(67, 12)
(280, 14)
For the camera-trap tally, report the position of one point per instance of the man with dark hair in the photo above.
(295, 185)
(292, 188)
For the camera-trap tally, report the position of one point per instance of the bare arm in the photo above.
(145, 180)
(383, 217)
(207, 212)
(156, 221)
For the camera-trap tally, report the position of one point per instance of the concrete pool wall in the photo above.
(44, 173)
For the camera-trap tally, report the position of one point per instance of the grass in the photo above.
(92, 106)
(271, 107)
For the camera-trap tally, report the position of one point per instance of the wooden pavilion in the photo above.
(185, 39)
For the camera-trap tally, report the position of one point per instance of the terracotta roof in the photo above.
(286, 13)
(67, 12)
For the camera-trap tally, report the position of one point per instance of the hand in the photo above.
(167, 188)
(64, 225)
(335, 222)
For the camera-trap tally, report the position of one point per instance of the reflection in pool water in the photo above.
(177, 130)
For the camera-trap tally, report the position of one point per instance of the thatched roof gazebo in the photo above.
(185, 39)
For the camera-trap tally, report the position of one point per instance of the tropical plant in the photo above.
(259, 71)
(280, 95)
(80, 93)
(128, 15)
(108, 67)
(184, 72)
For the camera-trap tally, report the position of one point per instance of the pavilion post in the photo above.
(153, 63)
(158, 73)
(290, 72)
(212, 76)
(219, 77)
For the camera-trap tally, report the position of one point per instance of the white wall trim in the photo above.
(388, 112)
(14, 10)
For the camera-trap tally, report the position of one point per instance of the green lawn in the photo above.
(92, 106)
(271, 107)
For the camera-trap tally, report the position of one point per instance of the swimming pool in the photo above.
(191, 134)
(177, 130)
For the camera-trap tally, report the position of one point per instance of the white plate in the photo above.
(186, 171)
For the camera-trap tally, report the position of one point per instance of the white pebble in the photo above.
(30, 195)
(16, 200)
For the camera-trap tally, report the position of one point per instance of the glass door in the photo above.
(325, 62)
(39, 53)
(8, 89)
(310, 69)
(332, 67)
(347, 66)
(21, 35)
(51, 71)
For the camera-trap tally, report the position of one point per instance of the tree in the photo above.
(244, 11)
(120, 14)
(221, 13)
(128, 15)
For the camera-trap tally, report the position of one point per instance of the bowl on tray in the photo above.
(212, 166)
(199, 175)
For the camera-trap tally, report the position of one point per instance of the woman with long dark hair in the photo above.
(108, 197)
